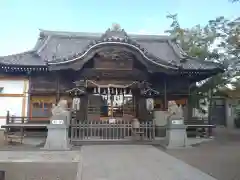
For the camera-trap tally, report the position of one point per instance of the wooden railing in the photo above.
(103, 130)
(21, 120)
(199, 127)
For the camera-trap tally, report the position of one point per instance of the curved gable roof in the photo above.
(55, 47)
(64, 47)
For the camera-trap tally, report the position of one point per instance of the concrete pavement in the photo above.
(98, 162)
(134, 162)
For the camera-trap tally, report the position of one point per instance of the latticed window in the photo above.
(41, 106)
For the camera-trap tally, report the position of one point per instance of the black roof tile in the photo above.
(54, 46)
(29, 58)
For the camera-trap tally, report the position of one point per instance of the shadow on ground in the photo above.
(219, 157)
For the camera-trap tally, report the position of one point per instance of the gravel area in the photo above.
(219, 158)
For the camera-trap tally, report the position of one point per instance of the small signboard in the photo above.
(177, 121)
(112, 120)
(57, 122)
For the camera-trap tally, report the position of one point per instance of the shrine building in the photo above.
(102, 75)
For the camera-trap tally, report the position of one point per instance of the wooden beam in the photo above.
(11, 95)
(2, 77)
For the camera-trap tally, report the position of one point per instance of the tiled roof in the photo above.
(29, 58)
(191, 64)
(55, 47)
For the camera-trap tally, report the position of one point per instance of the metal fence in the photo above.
(103, 130)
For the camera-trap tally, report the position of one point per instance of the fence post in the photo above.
(8, 117)
(12, 119)
(22, 120)
(153, 128)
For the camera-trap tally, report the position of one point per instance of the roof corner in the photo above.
(42, 40)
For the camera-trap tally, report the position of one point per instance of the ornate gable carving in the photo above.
(115, 33)
(113, 58)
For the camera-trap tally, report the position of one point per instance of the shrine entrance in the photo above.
(111, 114)
(109, 97)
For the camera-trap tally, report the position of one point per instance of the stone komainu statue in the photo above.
(60, 108)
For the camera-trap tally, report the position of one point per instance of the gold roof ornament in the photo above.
(116, 27)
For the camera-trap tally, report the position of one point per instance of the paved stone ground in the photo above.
(134, 162)
(40, 171)
(39, 156)
(220, 157)
(40, 165)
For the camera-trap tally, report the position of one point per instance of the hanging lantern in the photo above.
(149, 104)
(104, 91)
(120, 91)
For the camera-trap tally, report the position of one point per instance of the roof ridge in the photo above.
(68, 33)
(171, 44)
(99, 34)
(43, 44)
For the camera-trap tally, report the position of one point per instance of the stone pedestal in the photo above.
(160, 118)
(176, 133)
(57, 138)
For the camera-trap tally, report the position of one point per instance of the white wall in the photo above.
(12, 104)
(13, 98)
(12, 86)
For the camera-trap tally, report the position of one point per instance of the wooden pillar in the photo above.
(135, 95)
(165, 101)
(189, 104)
(29, 95)
(57, 87)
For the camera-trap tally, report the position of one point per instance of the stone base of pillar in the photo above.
(176, 138)
(57, 138)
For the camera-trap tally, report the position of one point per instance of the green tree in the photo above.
(201, 42)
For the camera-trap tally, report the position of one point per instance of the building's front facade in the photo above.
(98, 67)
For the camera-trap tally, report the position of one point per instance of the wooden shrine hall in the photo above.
(110, 75)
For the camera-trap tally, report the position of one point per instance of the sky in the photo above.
(21, 19)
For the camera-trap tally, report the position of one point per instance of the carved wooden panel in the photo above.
(43, 82)
(113, 60)
(133, 74)
(49, 83)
